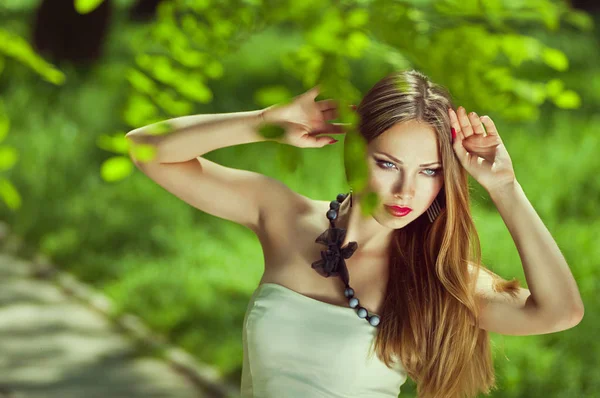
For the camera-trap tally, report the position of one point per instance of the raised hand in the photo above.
(303, 119)
(481, 151)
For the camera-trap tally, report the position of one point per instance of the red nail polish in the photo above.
(333, 141)
(453, 133)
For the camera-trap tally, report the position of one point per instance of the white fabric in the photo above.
(299, 347)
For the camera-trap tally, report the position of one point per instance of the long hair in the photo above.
(430, 315)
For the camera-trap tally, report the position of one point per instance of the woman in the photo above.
(405, 284)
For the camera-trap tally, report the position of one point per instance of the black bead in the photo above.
(362, 310)
(335, 205)
(332, 214)
(341, 197)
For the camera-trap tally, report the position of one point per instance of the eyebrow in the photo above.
(401, 162)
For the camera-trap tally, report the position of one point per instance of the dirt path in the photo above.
(51, 345)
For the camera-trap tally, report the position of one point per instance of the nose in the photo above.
(405, 188)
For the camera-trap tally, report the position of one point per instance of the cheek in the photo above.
(426, 193)
(434, 190)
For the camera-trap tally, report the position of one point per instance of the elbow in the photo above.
(577, 310)
(578, 314)
(563, 317)
(142, 147)
(570, 320)
(137, 136)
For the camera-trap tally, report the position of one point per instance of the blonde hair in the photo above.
(430, 317)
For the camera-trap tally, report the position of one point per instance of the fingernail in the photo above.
(453, 133)
(333, 141)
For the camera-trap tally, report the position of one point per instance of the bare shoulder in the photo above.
(282, 221)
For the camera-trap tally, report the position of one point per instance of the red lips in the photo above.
(399, 211)
(402, 209)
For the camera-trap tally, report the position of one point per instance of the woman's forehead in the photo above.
(409, 141)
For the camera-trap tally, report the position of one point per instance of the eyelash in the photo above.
(379, 161)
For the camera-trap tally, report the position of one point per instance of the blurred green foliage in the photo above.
(181, 53)
(15, 47)
(530, 65)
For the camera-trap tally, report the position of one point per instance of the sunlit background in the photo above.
(76, 76)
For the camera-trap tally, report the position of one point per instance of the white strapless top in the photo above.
(299, 347)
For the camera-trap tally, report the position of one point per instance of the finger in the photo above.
(313, 92)
(330, 128)
(322, 141)
(465, 124)
(327, 104)
(490, 127)
(454, 121)
(476, 124)
(330, 114)
(461, 152)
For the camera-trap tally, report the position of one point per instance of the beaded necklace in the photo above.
(332, 262)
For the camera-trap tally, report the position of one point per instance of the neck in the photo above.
(372, 238)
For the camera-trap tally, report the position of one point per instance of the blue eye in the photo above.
(435, 172)
(383, 162)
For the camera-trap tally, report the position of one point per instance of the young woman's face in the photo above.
(404, 176)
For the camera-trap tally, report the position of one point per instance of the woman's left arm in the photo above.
(552, 285)
(481, 151)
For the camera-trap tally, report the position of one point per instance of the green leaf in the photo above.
(168, 101)
(500, 76)
(195, 90)
(141, 82)
(4, 122)
(568, 99)
(8, 157)
(520, 48)
(356, 43)
(116, 143)
(87, 6)
(554, 87)
(402, 86)
(18, 48)
(580, 19)
(139, 110)
(142, 152)
(271, 131)
(214, 69)
(326, 35)
(289, 157)
(272, 95)
(223, 28)
(193, 59)
(357, 18)
(347, 115)
(355, 164)
(555, 59)
(116, 168)
(9, 194)
(369, 203)
(160, 128)
(163, 71)
(550, 14)
(530, 91)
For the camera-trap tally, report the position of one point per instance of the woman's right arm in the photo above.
(193, 136)
(240, 196)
